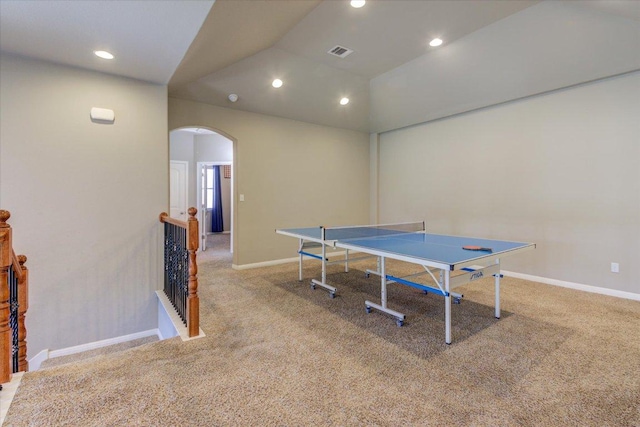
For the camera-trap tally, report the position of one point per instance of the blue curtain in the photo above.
(216, 215)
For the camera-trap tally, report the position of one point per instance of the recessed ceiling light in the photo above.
(103, 54)
(277, 83)
(435, 42)
(344, 101)
(357, 3)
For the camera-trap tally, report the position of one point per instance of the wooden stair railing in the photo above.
(181, 283)
(14, 301)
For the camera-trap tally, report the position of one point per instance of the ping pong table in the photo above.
(410, 243)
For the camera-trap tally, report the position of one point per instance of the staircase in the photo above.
(10, 388)
(108, 350)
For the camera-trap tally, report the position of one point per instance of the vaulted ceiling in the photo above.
(493, 51)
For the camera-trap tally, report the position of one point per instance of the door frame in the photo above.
(186, 187)
(200, 168)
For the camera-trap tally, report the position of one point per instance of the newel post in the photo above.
(5, 262)
(193, 302)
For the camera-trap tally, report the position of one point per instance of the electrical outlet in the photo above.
(242, 197)
(615, 267)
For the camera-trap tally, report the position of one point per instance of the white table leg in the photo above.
(447, 309)
(300, 261)
(323, 283)
(383, 296)
(346, 261)
(383, 284)
(324, 263)
(497, 276)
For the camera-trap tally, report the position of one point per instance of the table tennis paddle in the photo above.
(476, 248)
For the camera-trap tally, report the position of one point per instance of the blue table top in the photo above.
(436, 247)
(433, 247)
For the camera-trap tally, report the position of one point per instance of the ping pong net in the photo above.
(365, 231)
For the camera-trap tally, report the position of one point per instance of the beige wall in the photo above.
(292, 174)
(561, 170)
(84, 198)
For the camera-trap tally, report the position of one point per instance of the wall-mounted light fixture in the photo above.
(102, 115)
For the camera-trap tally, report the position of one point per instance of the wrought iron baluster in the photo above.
(184, 281)
(181, 268)
(176, 267)
(13, 317)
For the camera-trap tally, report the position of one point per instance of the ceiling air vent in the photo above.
(340, 51)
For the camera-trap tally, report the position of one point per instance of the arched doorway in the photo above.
(200, 149)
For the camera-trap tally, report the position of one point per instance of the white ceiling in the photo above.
(493, 51)
(148, 38)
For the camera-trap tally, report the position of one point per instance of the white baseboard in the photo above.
(36, 361)
(572, 285)
(180, 329)
(545, 280)
(264, 264)
(280, 261)
(169, 322)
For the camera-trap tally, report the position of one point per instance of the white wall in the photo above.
(292, 174)
(561, 170)
(84, 198)
(213, 148)
(181, 146)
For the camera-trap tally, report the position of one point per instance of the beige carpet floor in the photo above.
(280, 354)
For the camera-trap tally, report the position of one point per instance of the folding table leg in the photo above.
(497, 276)
(383, 296)
(323, 283)
(447, 309)
(300, 261)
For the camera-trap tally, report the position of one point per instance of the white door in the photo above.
(178, 190)
(203, 207)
